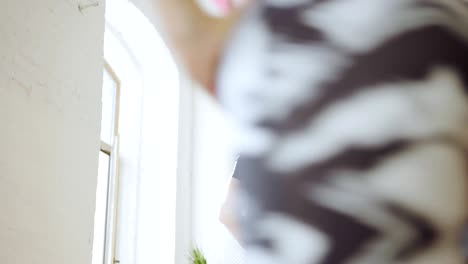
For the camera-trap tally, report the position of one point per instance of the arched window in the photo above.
(136, 195)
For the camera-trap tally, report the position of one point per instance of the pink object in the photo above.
(223, 5)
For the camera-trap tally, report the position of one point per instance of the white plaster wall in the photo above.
(50, 86)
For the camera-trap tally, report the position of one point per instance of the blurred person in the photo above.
(352, 118)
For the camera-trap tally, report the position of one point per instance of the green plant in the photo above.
(196, 257)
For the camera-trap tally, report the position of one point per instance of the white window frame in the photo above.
(105, 147)
(149, 96)
(113, 182)
(112, 150)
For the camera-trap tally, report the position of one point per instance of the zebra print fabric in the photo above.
(353, 125)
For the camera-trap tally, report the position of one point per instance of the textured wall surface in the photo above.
(50, 86)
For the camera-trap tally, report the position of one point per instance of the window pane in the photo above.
(101, 204)
(109, 90)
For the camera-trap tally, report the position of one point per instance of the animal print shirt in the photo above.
(352, 119)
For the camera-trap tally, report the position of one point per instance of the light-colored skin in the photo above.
(228, 215)
(195, 38)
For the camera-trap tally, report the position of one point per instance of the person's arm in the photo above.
(228, 215)
(194, 37)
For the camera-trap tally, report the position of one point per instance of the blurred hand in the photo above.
(195, 38)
